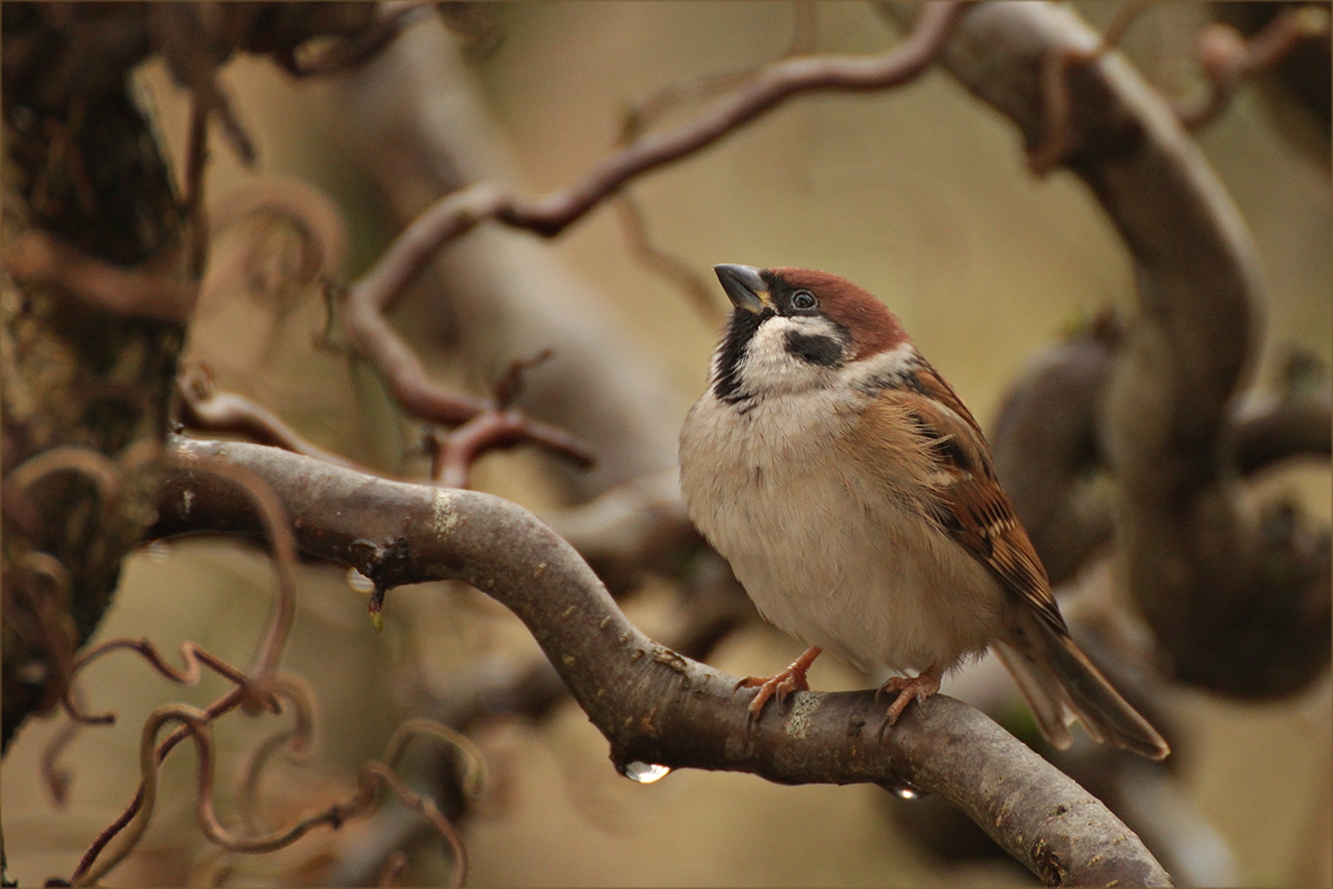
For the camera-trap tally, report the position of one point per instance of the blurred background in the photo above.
(920, 194)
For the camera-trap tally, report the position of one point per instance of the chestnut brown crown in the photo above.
(873, 327)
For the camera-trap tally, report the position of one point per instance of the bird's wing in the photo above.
(971, 506)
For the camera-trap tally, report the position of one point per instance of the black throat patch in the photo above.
(740, 330)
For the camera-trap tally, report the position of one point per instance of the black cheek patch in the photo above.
(825, 351)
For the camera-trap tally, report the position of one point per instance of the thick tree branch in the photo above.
(1047, 454)
(1235, 607)
(652, 704)
(1288, 430)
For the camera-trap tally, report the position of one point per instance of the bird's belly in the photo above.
(875, 583)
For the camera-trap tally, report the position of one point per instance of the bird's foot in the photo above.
(909, 688)
(781, 684)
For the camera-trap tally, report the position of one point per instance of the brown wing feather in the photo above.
(946, 452)
(975, 511)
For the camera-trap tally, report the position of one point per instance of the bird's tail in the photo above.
(1061, 684)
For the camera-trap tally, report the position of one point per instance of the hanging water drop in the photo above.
(359, 582)
(646, 773)
(906, 790)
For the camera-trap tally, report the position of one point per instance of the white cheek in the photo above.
(769, 368)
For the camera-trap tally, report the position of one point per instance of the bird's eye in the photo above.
(803, 299)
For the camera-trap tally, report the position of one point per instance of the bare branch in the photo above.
(132, 829)
(375, 340)
(92, 862)
(498, 428)
(1061, 137)
(459, 212)
(191, 656)
(427, 809)
(643, 115)
(298, 740)
(256, 689)
(356, 48)
(711, 606)
(193, 48)
(196, 724)
(204, 408)
(56, 776)
(93, 465)
(393, 868)
(1289, 429)
(194, 206)
(1228, 59)
(679, 273)
(268, 508)
(155, 290)
(37, 594)
(493, 430)
(654, 705)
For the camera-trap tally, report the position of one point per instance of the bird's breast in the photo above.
(823, 548)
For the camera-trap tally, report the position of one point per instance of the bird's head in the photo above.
(796, 329)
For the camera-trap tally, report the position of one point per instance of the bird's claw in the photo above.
(781, 684)
(907, 688)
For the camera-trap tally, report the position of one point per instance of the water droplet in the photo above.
(646, 773)
(906, 790)
(359, 582)
(376, 606)
(158, 551)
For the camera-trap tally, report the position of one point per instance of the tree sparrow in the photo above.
(854, 496)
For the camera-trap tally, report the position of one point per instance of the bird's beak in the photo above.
(744, 287)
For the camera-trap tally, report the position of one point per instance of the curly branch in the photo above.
(204, 408)
(267, 508)
(1228, 59)
(95, 466)
(652, 704)
(641, 116)
(188, 674)
(458, 213)
(255, 690)
(298, 740)
(154, 290)
(498, 428)
(196, 724)
(1061, 136)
